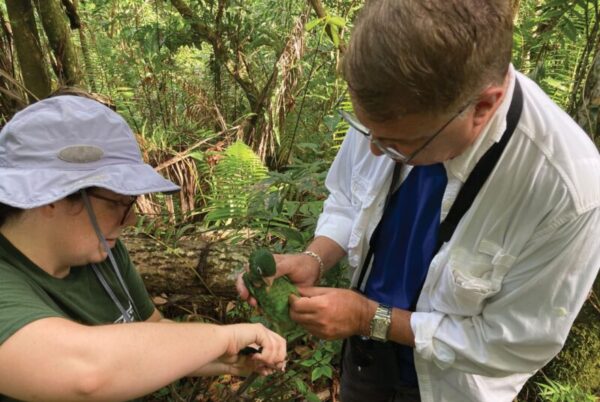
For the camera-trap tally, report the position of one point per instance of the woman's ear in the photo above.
(48, 210)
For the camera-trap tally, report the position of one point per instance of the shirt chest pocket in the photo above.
(468, 279)
(362, 198)
(362, 195)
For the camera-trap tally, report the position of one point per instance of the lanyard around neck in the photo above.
(127, 317)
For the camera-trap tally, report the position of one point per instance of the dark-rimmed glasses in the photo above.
(389, 150)
(128, 205)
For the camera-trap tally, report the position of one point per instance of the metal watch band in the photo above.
(380, 323)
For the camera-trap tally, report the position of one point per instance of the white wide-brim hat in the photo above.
(60, 145)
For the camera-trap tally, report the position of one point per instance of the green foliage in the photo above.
(311, 366)
(233, 178)
(293, 205)
(579, 361)
(341, 126)
(283, 205)
(553, 391)
(160, 229)
(320, 360)
(329, 23)
(554, 44)
(176, 93)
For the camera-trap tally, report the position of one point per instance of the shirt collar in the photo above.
(461, 166)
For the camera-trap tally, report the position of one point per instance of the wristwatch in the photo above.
(380, 323)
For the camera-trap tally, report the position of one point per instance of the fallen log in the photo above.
(195, 278)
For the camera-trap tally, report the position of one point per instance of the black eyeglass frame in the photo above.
(127, 205)
(389, 151)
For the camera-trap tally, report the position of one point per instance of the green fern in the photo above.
(553, 42)
(232, 184)
(341, 128)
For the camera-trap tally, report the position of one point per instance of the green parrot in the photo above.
(271, 294)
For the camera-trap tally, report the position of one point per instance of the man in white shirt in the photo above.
(471, 312)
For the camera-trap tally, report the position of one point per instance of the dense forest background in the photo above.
(236, 101)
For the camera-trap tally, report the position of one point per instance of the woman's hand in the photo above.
(271, 348)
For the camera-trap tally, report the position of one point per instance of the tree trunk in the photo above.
(216, 63)
(12, 96)
(203, 33)
(29, 49)
(588, 113)
(58, 33)
(87, 59)
(85, 50)
(515, 5)
(197, 276)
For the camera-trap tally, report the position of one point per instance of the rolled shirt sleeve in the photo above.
(338, 215)
(527, 322)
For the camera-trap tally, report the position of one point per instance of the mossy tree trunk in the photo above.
(29, 50)
(59, 36)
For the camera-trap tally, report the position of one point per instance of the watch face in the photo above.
(380, 323)
(379, 329)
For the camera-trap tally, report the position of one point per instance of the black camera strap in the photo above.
(469, 190)
(481, 172)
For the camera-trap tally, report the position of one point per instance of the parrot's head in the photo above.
(262, 263)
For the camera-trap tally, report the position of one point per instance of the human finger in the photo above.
(279, 353)
(243, 291)
(305, 305)
(274, 349)
(278, 350)
(313, 291)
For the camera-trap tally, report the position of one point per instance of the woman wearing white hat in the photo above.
(70, 171)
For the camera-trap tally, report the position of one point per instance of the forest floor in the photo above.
(194, 281)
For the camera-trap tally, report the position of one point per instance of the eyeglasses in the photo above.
(389, 150)
(128, 205)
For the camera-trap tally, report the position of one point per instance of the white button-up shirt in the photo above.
(499, 297)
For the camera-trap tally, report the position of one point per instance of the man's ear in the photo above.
(487, 103)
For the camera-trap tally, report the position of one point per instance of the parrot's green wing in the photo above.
(273, 298)
(276, 304)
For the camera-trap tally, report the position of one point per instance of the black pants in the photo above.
(370, 371)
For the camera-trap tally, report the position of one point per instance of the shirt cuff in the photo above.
(337, 228)
(424, 326)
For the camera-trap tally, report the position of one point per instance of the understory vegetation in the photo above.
(235, 100)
